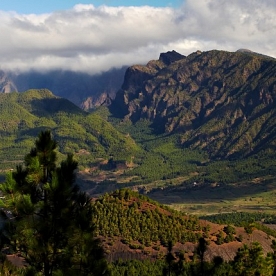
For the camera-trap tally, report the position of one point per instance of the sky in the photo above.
(94, 36)
(46, 6)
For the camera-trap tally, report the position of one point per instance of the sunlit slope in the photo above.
(220, 102)
(88, 136)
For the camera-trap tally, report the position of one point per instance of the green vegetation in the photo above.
(136, 267)
(190, 180)
(136, 220)
(173, 160)
(24, 115)
(159, 161)
(188, 140)
(140, 221)
(249, 221)
(47, 219)
(249, 260)
(241, 218)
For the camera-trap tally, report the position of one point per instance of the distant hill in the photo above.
(85, 90)
(220, 102)
(88, 136)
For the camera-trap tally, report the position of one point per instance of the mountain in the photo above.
(217, 101)
(88, 136)
(85, 90)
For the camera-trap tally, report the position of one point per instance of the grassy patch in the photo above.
(246, 197)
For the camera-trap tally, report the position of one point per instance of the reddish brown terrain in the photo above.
(117, 250)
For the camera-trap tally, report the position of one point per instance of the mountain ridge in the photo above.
(207, 97)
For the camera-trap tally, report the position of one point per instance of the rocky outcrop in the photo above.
(6, 84)
(170, 57)
(91, 102)
(218, 101)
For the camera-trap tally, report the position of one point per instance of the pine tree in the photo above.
(250, 260)
(200, 250)
(170, 258)
(273, 246)
(48, 219)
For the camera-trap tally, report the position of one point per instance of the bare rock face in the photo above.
(170, 57)
(222, 102)
(91, 102)
(6, 84)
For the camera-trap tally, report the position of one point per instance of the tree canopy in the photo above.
(48, 220)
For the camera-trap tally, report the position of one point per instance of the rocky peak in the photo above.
(137, 75)
(170, 57)
(244, 51)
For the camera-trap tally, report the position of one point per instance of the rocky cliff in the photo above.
(222, 102)
(6, 84)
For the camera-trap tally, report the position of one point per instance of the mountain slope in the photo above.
(24, 115)
(133, 226)
(221, 102)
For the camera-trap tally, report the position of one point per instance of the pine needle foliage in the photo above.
(48, 220)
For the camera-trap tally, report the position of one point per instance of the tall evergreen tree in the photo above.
(169, 260)
(273, 246)
(48, 219)
(200, 250)
(250, 260)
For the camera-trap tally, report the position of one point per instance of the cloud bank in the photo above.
(91, 39)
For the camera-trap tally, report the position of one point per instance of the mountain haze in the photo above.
(86, 91)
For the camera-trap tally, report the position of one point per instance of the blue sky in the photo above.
(46, 6)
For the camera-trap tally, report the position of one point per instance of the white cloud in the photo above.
(93, 39)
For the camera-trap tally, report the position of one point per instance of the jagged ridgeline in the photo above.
(24, 115)
(220, 102)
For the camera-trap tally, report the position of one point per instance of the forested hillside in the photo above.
(88, 136)
(134, 226)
